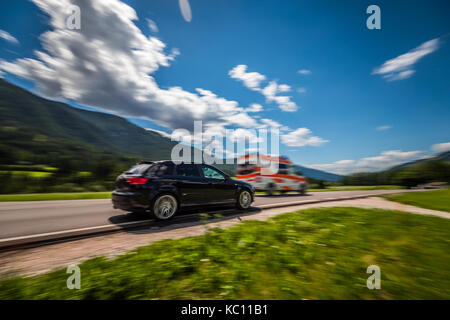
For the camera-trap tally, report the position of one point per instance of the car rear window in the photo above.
(187, 170)
(138, 169)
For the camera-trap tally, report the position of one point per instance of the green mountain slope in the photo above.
(433, 169)
(38, 130)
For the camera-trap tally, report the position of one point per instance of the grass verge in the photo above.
(55, 196)
(435, 200)
(348, 188)
(311, 254)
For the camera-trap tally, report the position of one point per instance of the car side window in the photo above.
(139, 168)
(159, 170)
(186, 170)
(211, 173)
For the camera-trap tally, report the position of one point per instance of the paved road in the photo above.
(35, 217)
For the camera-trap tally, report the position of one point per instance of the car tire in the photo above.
(244, 199)
(164, 207)
(270, 189)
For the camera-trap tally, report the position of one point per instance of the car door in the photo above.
(221, 189)
(190, 184)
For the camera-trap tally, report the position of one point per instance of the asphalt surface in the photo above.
(37, 217)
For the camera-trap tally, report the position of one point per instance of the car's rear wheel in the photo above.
(244, 200)
(164, 207)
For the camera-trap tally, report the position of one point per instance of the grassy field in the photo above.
(436, 200)
(312, 254)
(54, 196)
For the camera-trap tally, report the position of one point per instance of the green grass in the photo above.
(312, 254)
(27, 167)
(33, 174)
(436, 200)
(55, 196)
(348, 188)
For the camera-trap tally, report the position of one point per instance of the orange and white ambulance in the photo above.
(260, 172)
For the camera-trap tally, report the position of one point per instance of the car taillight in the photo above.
(137, 180)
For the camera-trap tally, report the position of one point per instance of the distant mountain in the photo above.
(319, 175)
(445, 156)
(432, 169)
(37, 130)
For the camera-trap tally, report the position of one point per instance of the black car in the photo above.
(163, 187)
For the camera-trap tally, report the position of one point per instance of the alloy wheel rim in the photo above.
(165, 207)
(245, 199)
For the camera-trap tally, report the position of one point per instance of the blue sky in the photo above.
(339, 115)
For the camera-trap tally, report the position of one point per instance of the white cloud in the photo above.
(384, 128)
(8, 37)
(152, 25)
(241, 135)
(301, 137)
(401, 67)
(254, 107)
(284, 88)
(251, 80)
(385, 160)
(269, 123)
(441, 147)
(304, 71)
(109, 64)
(185, 9)
(301, 90)
(284, 102)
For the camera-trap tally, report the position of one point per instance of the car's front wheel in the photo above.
(244, 200)
(164, 207)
